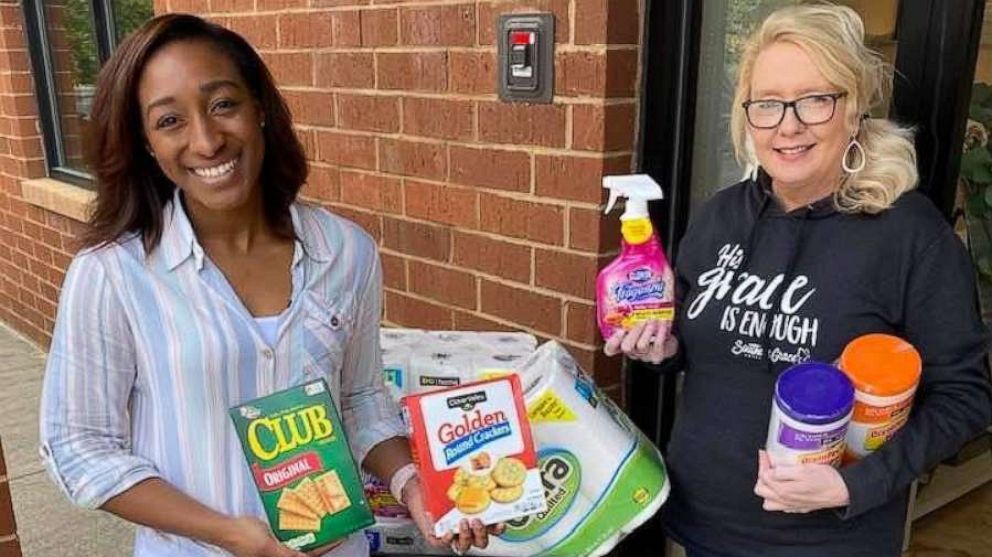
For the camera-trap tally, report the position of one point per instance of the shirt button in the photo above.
(267, 353)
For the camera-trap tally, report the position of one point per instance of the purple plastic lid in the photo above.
(814, 393)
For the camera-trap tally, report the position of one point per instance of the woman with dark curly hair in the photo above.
(203, 284)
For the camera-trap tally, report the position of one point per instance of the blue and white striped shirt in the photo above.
(149, 352)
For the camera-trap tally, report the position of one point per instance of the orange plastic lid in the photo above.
(881, 365)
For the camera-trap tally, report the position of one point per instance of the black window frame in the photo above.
(42, 69)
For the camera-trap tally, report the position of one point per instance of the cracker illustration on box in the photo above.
(475, 453)
(299, 457)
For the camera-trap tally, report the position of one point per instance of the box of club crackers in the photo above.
(475, 453)
(299, 457)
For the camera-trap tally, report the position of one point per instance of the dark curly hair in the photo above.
(131, 188)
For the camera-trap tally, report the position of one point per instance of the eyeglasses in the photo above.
(810, 110)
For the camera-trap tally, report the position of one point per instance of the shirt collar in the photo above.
(309, 240)
(822, 207)
(179, 241)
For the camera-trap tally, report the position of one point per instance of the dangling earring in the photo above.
(262, 124)
(862, 158)
(751, 170)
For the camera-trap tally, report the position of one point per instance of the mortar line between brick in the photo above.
(563, 296)
(507, 147)
(561, 338)
(571, 23)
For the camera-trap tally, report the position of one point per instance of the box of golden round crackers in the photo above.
(475, 453)
(299, 457)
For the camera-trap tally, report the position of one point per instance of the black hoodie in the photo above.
(819, 278)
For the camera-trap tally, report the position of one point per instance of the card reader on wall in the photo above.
(526, 57)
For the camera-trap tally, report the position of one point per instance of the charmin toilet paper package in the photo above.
(602, 477)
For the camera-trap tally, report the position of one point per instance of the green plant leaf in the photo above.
(983, 175)
(981, 93)
(988, 196)
(980, 113)
(975, 166)
(975, 204)
(984, 265)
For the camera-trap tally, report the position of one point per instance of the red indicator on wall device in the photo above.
(521, 37)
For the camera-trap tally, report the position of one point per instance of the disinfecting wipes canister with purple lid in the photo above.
(810, 413)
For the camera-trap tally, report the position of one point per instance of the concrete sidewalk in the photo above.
(47, 524)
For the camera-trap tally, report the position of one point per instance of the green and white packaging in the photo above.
(602, 477)
(300, 460)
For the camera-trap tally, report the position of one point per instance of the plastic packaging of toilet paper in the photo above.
(417, 361)
(602, 477)
(400, 539)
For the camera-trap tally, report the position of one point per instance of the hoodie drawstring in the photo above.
(790, 268)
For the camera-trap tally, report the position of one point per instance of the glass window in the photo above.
(129, 15)
(725, 27)
(69, 41)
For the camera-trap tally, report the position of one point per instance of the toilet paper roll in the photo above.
(455, 342)
(395, 339)
(491, 366)
(567, 410)
(438, 370)
(509, 342)
(561, 474)
(396, 371)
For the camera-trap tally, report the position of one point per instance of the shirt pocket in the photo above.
(327, 328)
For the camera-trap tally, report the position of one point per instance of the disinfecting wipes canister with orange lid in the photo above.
(885, 371)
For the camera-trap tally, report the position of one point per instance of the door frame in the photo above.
(938, 42)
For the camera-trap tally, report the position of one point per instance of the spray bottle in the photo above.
(638, 285)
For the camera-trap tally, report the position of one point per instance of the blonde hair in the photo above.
(833, 37)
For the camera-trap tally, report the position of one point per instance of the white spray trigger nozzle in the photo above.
(637, 188)
(614, 195)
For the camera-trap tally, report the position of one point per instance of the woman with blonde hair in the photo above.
(823, 242)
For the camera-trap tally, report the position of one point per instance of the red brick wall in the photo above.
(35, 245)
(9, 544)
(487, 213)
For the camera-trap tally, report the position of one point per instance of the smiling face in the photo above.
(203, 125)
(798, 157)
